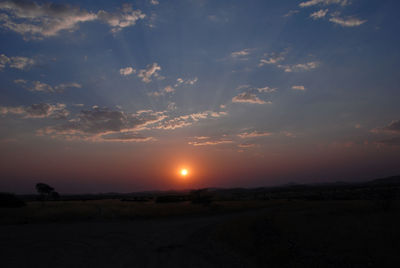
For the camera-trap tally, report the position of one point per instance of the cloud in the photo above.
(124, 137)
(37, 21)
(298, 88)
(393, 127)
(124, 18)
(289, 134)
(394, 141)
(241, 53)
(127, 71)
(349, 22)
(266, 89)
(254, 134)
(100, 124)
(291, 13)
(319, 14)
(20, 63)
(246, 145)
(242, 87)
(181, 81)
(4, 60)
(171, 106)
(151, 70)
(40, 110)
(209, 143)
(43, 87)
(33, 20)
(323, 2)
(62, 87)
(299, 67)
(166, 90)
(188, 120)
(154, 2)
(248, 98)
(104, 124)
(272, 58)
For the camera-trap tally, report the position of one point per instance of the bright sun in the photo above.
(184, 172)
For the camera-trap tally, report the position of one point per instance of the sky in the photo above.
(118, 96)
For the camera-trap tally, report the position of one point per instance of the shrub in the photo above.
(9, 200)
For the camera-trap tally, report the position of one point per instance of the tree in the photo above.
(46, 191)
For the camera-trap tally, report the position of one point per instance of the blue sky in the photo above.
(246, 81)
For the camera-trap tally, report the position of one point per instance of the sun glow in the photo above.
(184, 172)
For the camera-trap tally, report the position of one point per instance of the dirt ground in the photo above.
(288, 234)
(177, 242)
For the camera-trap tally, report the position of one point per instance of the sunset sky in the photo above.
(119, 96)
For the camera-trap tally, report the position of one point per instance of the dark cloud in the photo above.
(394, 126)
(249, 98)
(43, 87)
(40, 110)
(37, 21)
(104, 120)
(395, 141)
(126, 137)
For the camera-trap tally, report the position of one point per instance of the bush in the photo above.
(171, 198)
(8, 200)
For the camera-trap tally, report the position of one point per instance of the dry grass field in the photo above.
(274, 233)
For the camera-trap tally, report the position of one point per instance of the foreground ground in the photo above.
(233, 234)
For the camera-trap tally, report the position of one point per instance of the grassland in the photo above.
(243, 233)
(103, 210)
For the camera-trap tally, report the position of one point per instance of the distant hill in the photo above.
(393, 180)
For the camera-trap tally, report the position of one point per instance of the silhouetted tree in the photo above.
(201, 196)
(46, 191)
(55, 196)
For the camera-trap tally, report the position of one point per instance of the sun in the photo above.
(184, 172)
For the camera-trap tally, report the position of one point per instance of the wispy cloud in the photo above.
(299, 67)
(319, 14)
(124, 137)
(188, 81)
(393, 128)
(127, 71)
(323, 2)
(37, 21)
(266, 89)
(188, 120)
(43, 87)
(101, 124)
(272, 58)
(247, 97)
(149, 72)
(348, 22)
(154, 2)
(125, 17)
(209, 141)
(291, 13)
(246, 145)
(17, 62)
(165, 90)
(254, 134)
(298, 88)
(40, 110)
(241, 53)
